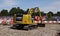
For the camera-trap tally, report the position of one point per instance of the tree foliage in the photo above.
(49, 14)
(13, 11)
(42, 13)
(16, 10)
(27, 11)
(58, 13)
(4, 12)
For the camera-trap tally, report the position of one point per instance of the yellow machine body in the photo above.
(26, 19)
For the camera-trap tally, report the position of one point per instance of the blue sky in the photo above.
(44, 5)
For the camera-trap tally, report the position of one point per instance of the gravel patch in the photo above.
(49, 30)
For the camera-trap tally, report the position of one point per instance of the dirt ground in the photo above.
(49, 30)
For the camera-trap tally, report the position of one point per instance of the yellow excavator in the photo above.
(26, 21)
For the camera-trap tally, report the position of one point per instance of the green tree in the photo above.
(20, 11)
(17, 10)
(58, 13)
(4, 12)
(49, 15)
(27, 11)
(42, 13)
(0, 13)
(13, 11)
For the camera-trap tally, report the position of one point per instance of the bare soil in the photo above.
(49, 30)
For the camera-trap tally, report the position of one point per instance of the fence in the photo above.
(48, 22)
(10, 21)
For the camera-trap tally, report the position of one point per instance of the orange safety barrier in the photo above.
(54, 22)
(38, 21)
(58, 22)
(11, 22)
(3, 22)
(48, 22)
(45, 21)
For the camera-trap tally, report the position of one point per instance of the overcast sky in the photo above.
(44, 5)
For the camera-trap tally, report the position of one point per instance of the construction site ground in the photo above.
(48, 30)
